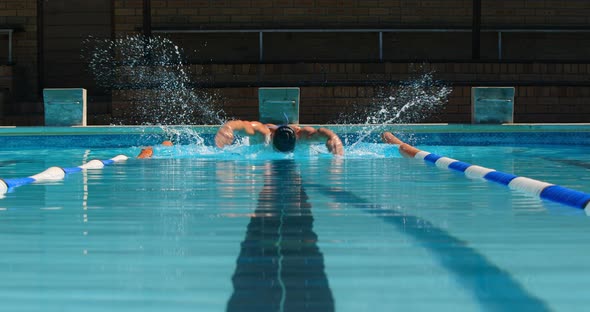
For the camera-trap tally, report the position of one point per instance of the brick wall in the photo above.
(6, 85)
(310, 13)
(535, 13)
(352, 13)
(320, 105)
(255, 14)
(380, 73)
(22, 14)
(338, 71)
(551, 104)
(128, 16)
(6, 77)
(544, 92)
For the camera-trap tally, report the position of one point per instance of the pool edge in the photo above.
(341, 128)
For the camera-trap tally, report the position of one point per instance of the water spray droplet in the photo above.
(152, 73)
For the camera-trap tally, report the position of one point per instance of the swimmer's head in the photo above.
(283, 139)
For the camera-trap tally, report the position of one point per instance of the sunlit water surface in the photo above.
(246, 229)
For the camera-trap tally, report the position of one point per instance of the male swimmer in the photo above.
(283, 138)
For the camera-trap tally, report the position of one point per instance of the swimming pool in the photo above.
(246, 229)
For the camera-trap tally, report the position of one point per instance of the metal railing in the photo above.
(379, 31)
(524, 30)
(9, 32)
(261, 33)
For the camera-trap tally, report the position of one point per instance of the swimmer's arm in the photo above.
(333, 142)
(406, 150)
(389, 138)
(306, 133)
(262, 131)
(226, 133)
(265, 132)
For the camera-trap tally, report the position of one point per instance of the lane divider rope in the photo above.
(534, 187)
(56, 173)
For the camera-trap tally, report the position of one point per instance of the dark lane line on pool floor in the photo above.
(494, 288)
(280, 266)
(570, 162)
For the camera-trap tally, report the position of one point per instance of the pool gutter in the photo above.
(347, 128)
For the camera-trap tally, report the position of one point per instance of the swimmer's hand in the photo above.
(333, 142)
(224, 136)
(146, 153)
(335, 146)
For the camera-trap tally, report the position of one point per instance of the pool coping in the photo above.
(339, 128)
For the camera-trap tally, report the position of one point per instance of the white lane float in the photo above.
(534, 187)
(56, 173)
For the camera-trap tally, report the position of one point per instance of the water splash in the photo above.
(150, 73)
(244, 151)
(411, 101)
(183, 135)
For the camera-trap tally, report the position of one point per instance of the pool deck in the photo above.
(346, 128)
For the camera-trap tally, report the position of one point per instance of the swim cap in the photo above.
(284, 139)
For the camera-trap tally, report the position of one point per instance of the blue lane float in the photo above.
(534, 187)
(56, 173)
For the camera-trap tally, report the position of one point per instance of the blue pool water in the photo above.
(245, 229)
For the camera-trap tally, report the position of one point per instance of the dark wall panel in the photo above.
(66, 24)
